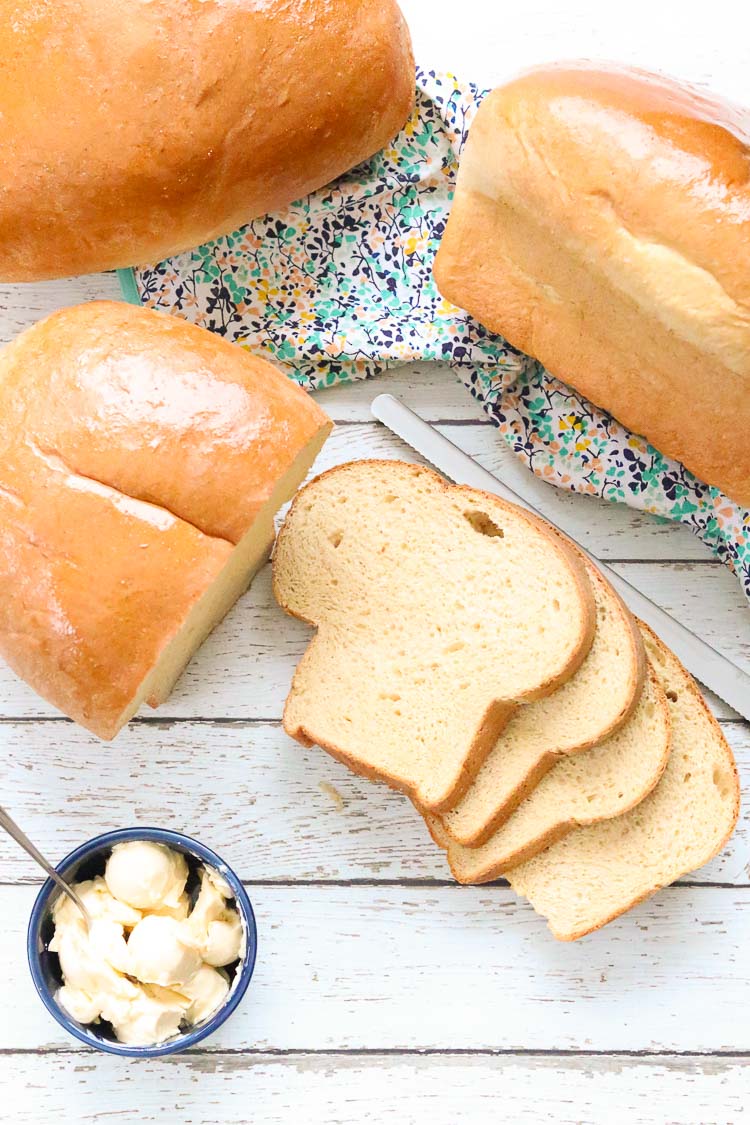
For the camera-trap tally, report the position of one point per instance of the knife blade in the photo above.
(706, 663)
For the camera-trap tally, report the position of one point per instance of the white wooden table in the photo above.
(384, 992)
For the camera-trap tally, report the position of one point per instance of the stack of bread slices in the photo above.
(470, 656)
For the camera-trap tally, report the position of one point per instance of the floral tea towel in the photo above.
(339, 286)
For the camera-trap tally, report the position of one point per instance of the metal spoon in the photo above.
(21, 838)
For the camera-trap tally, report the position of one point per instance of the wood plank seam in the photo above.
(259, 1053)
(413, 883)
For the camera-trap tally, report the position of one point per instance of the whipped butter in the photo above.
(151, 963)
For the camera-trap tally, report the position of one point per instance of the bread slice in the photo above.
(598, 873)
(585, 711)
(582, 789)
(437, 607)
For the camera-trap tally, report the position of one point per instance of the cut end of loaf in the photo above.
(211, 607)
(244, 562)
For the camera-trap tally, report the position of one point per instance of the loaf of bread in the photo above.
(585, 711)
(597, 873)
(437, 609)
(602, 224)
(142, 460)
(134, 129)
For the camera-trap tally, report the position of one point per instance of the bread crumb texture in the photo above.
(437, 609)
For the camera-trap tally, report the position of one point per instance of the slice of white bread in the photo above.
(598, 873)
(582, 789)
(437, 608)
(584, 712)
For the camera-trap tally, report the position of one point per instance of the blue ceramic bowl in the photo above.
(86, 862)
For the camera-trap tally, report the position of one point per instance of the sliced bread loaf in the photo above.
(597, 873)
(437, 607)
(582, 789)
(584, 712)
(142, 462)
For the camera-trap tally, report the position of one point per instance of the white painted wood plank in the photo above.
(275, 810)
(432, 389)
(335, 1090)
(686, 590)
(461, 968)
(22, 305)
(244, 669)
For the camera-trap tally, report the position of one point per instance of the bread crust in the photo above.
(494, 720)
(546, 762)
(689, 685)
(158, 409)
(136, 129)
(92, 586)
(496, 868)
(500, 712)
(602, 224)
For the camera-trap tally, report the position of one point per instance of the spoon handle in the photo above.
(10, 826)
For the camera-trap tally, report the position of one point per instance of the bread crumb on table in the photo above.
(332, 792)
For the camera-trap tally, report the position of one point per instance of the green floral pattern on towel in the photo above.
(340, 287)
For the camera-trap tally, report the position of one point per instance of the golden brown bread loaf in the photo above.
(133, 130)
(602, 224)
(142, 460)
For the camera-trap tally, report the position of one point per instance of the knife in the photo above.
(708, 665)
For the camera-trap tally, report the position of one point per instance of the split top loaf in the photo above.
(142, 460)
(602, 224)
(135, 129)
